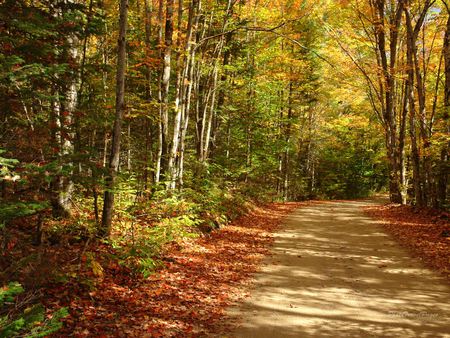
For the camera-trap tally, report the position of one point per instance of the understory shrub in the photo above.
(31, 322)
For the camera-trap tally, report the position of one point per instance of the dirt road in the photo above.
(335, 273)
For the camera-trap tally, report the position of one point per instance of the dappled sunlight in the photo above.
(337, 274)
(421, 230)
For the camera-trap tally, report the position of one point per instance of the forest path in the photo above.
(335, 273)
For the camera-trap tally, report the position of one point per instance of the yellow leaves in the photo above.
(97, 269)
(28, 310)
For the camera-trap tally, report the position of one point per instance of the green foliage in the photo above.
(216, 202)
(140, 245)
(33, 322)
(9, 292)
(13, 210)
(145, 228)
(6, 164)
(351, 163)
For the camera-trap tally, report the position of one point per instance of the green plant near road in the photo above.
(32, 322)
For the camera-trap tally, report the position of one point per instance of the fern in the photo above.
(32, 323)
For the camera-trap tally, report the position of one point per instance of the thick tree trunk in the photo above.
(62, 186)
(387, 57)
(65, 105)
(108, 204)
(415, 155)
(421, 178)
(444, 167)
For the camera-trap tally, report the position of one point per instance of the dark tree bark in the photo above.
(387, 49)
(444, 167)
(108, 205)
(417, 115)
(415, 155)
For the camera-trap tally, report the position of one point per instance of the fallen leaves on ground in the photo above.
(186, 298)
(421, 230)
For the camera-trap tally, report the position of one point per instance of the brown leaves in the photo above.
(188, 297)
(420, 230)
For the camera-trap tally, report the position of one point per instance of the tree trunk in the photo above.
(444, 168)
(387, 58)
(62, 186)
(415, 156)
(165, 86)
(212, 106)
(416, 81)
(148, 156)
(183, 83)
(160, 94)
(286, 159)
(185, 122)
(401, 143)
(63, 112)
(108, 204)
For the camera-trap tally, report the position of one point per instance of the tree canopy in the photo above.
(287, 100)
(134, 121)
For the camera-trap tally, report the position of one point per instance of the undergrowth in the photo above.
(38, 250)
(144, 226)
(19, 318)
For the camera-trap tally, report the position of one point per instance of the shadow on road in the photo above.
(335, 273)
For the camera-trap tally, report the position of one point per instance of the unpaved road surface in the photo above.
(335, 273)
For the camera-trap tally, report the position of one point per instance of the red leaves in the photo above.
(188, 297)
(418, 229)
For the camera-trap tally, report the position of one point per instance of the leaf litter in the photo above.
(185, 298)
(422, 230)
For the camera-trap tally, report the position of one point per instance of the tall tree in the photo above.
(114, 160)
(444, 153)
(64, 106)
(164, 90)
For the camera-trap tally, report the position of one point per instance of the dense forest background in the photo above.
(209, 101)
(135, 121)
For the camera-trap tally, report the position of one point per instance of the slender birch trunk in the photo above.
(65, 105)
(160, 90)
(188, 100)
(165, 86)
(183, 83)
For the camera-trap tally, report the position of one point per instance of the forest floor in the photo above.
(185, 298)
(425, 232)
(335, 272)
